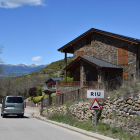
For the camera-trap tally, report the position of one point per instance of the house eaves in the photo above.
(118, 36)
(93, 61)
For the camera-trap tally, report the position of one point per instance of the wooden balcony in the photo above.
(90, 83)
(69, 83)
(77, 83)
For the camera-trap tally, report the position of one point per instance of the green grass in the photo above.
(101, 128)
(41, 111)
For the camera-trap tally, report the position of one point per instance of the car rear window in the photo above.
(14, 100)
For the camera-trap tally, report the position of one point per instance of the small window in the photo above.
(88, 40)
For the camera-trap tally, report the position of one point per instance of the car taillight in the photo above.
(23, 107)
(5, 106)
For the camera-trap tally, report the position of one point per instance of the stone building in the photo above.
(100, 56)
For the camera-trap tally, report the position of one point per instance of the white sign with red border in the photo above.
(96, 94)
(95, 105)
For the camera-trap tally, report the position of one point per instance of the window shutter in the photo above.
(125, 75)
(79, 53)
(123, 55)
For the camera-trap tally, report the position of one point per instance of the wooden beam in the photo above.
(116, 37)
(99, 33)
(65, 67)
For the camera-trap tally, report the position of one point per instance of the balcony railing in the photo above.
(69, 83)
(90, 83)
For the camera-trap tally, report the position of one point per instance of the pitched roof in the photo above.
(100, 63)
(95, 61)
(49, 91)
(54, 79)
(122, 37)
(57, 79)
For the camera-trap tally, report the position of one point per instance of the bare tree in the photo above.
(1, 47)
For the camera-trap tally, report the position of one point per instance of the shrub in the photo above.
(41, 111)
(37, 99)
(32, 91)
(114, 130)
(68, 79)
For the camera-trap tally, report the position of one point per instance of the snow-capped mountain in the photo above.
(20, 69)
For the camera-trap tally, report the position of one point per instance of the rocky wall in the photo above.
(117, 112)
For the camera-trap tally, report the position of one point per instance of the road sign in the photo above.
(95, 105)
(58, 92)
(96, 94)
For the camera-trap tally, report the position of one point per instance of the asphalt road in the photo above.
(29, 128)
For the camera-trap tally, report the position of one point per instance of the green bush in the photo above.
(68, 79)
(41, 111)
(37, 99)
(114, 130)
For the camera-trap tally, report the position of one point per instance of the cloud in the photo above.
(37, 59)
(19, 3)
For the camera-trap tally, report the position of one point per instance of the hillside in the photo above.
(55, 68)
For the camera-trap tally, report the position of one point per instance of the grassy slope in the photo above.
(54, 69)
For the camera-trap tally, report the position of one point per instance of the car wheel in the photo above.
(1, 114)
(22, 116)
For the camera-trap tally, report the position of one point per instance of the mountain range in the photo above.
(20, 69)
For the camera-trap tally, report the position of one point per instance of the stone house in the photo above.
(100, 56)
(51, 82)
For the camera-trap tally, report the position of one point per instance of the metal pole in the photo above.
(42, 103)
(95, 117)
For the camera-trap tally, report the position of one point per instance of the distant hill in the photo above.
(20, 69)
(55, 68)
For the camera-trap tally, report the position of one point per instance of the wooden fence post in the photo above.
(62, 98)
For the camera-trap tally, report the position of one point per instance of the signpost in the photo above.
(95, 105)
(95, 94)
(58, 92)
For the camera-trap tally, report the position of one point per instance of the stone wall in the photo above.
(106, 48)
(65, 88)
(117, 112)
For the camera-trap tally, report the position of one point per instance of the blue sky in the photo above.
(31, 31)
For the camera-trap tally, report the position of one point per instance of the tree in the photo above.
(39, 91)
(32, 91)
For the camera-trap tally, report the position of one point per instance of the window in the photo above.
(88, 40)
(123, 55)
(14, 100)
